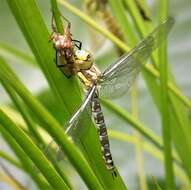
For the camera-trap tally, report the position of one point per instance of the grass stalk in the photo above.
(52, 126)
(120, 13)
(40, 161)
(9, 159)
(138, 146)
(57, 17)
(17, 53)
(165, 114)
(17, 184)
(27, 164)
(21, 108)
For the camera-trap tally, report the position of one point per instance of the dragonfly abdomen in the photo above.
(103, 136)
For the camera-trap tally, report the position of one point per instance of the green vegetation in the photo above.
(31, 119)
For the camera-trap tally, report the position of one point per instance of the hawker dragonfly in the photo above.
(112, 83)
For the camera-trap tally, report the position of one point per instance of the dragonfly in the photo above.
(113, 82)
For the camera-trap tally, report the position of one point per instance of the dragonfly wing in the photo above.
(76, 123)
(73, 127)
(118, 77)
(52, 151)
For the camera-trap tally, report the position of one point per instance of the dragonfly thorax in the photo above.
(83, 60)
(90, 76)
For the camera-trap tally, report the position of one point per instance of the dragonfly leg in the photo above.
(79, 45)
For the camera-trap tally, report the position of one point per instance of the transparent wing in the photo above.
(76, 123)
(75, 127)
(118, 77)
(53, 152)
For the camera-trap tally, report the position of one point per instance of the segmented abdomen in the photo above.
(103, 136)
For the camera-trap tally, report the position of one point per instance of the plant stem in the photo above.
(138, 145)
(165, 114)
(57, 18)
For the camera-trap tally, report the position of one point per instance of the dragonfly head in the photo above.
(83, 59)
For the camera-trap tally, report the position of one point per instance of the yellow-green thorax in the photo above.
(83, 60)
(88, 72)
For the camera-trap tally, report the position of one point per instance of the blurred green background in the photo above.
(123, 153)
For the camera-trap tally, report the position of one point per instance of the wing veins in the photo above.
(71, 124)
(130, 64)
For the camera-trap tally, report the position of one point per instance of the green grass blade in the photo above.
(27, 164)
(16, 118)
(165, 115)
(57, 17)
(31, 125)
(32, 128)
(11, 160)
(156, 184)
(120, 13)
(181, 132)
(137, 18)
(17, 53)
(33, 152)
(51, 125)
(124, 21)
